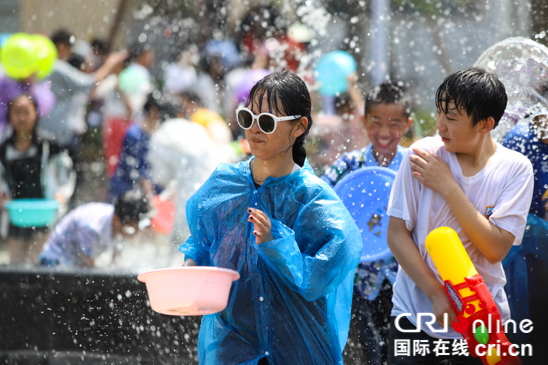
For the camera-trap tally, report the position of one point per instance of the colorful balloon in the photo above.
(46, 55)
(133, 80)
(332, 71)
(249, 80)
(18, 56)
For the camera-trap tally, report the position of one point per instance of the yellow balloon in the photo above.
(46, 55)
(18, 56)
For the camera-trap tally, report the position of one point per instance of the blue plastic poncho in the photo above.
(292, 302)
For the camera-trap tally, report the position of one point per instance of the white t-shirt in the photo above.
(85, 230)
(502, 192)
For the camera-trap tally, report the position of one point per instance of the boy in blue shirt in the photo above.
(133, 170)
(386, 120)
(532, 141)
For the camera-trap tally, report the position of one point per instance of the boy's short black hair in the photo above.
(343, 102)
(77, 61)
(192, 96)
(167, 104)
(131, 207)
(62, 36)
(98, 45)
(480, 94)
(388, 93)
(138, 48)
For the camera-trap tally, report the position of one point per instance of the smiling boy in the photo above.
(386, 119)
(464, 180)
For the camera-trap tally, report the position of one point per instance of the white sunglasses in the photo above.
(267, 122)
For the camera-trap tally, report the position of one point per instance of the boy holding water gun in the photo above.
(386, 120)
(464, 180)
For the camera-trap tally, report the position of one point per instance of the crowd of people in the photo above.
(250, 195)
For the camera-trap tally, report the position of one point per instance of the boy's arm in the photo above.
(341, 167)
(434, 173)
(409, 258)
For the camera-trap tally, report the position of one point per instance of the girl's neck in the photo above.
(23, 141)
(277, 167)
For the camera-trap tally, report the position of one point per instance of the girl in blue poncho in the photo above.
(286, 233)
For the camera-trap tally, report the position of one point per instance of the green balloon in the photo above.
(46, 55)
(481, 334)
(132, 79)
(18, 56)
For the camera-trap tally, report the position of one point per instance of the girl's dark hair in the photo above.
(287, 91)
(475, 91)
(8, 111)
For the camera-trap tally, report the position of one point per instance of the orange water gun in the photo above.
(478, 319)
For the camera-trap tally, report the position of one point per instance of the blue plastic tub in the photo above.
(32, 212)
(365, 193)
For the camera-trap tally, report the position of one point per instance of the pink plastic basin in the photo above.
(189, 291)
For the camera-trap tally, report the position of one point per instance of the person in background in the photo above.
(134, 85)
(217, 58)
(194, 111)
(31, 166)
(71, 88)
(339, 128)
(100, 51)
(141, 59)
(92, 229)
(10, 88)
(95, 112)
(182, 151)
(133, 171)
(181, 75)
(67, 83)
(288, 235)
(386, 119)
(526, 266)
(531, 139)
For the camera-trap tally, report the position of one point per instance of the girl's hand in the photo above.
(3, 198)
(189, 262)
(432, 171)
(262, 228)
(61, 199)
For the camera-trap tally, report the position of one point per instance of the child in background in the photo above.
(386, 120)
(339, 128)
(31, 166)
(133, 170)
(464, 180)
(215, 125)
(93, 228)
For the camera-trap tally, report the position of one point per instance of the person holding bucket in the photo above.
(31, 166)
(287, 234)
